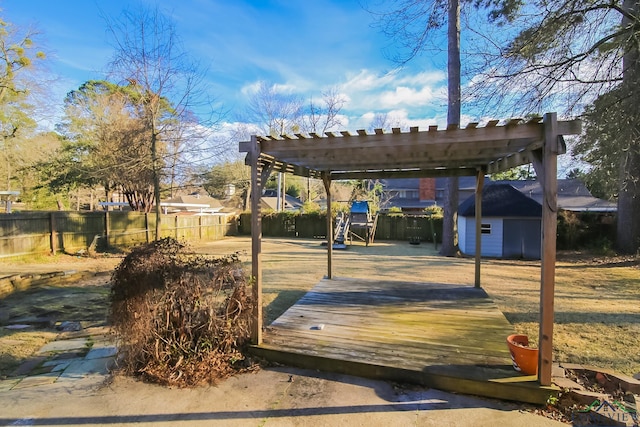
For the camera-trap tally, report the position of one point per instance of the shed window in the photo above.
(485, 228)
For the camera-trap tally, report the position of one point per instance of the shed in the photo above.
(510, 224)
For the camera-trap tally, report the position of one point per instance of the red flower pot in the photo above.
(525, 358)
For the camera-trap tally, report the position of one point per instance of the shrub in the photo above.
(434, 211)
(180, 319)
(395, 211)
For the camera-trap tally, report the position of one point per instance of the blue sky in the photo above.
(306, 46)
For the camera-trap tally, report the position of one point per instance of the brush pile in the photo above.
(180, 319)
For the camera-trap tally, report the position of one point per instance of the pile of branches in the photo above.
(180, 319)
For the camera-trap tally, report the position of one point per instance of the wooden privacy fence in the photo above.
(50, 232)
(390, 227)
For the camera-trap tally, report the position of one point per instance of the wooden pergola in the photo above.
(454, 151)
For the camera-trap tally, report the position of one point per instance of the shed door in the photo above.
(521, 238)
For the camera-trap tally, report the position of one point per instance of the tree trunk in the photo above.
(156, 180)
(628, 227)
(449, 246)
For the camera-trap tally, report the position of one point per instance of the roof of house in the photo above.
(573, 195)
(196, 200)
(401, 183)
(270, 201)
(502, 200)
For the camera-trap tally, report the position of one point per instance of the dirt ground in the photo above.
(597, 310)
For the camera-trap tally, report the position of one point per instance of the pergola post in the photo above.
(478, 218)
(546, 169)
(256, 240)
(326, 180)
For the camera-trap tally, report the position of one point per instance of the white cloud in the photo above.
(425, 78)
(398, 89)
(403, 95)
(365, 80)
(253, 87)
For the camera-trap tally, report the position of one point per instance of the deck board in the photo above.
(440, 335)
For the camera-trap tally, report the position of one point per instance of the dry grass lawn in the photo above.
(597, 300)
(597, 309)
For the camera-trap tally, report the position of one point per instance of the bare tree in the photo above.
(386, 122)
(149, 56)
(325, 116)
(274, 111)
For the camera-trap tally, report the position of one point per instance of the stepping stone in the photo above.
(64, 345)
(29, 365)
(18, 326)
(101, 352)
(68, 326)
(62, 361)
(83, 368)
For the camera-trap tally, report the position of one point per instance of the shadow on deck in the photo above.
(443, 336)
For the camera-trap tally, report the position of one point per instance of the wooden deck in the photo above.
(442, 336)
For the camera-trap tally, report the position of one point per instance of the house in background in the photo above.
(414, 194)
(510, 224)
(573, 195)
(269, 201)
(191, 204)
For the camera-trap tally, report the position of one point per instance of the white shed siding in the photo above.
(491, 243)
(462, 234)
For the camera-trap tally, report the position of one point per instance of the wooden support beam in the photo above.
(478, 257)
(266, 169)
(414, 173)
(509, 162)
(549, 229)
(256, 240)
(326, 180)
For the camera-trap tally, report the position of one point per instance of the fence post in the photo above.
(52, 229)
(107, 229)
(200, 227)
(146, 226)
(176, 225)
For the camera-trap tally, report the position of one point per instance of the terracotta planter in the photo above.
(525, 358)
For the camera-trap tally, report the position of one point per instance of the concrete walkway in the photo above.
(68, 383)
(85, 355)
